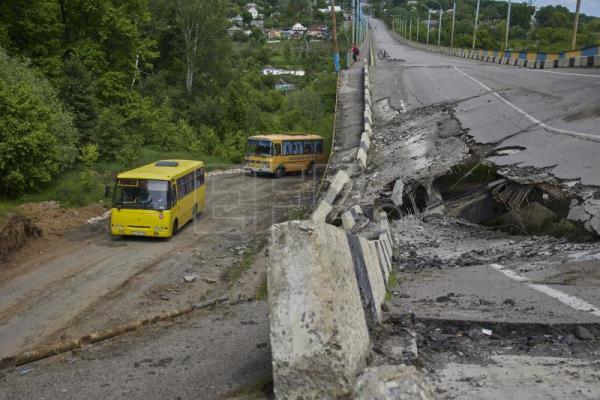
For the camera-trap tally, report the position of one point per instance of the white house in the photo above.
(299, 28)
(328, 9)
(253, 11)
(233, 30)
(276, 71)
(237, 20)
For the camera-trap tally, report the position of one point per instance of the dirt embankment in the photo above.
(46, 220)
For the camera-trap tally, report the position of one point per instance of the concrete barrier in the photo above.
(319, 335)
(363, 149)
(392, 382)
(353, 217)
(563, 63)
(367, 115)
(596, 61)
(326, 204)
(369, 276)
(548, 64)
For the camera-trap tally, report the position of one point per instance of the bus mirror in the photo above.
(107, 191)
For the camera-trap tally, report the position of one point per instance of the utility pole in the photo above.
(428, 23)
(440, 26)
(336, 49)
(453, 20)
(410, 29)
(475, 26)
(418, 26)
(508, 27)
(353, 21)
(575, 26)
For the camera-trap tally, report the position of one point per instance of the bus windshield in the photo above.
(143, 194)
(259, 148)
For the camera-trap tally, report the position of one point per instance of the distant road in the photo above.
(551, 118)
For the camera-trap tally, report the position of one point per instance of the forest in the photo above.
(89, 88)
(548, 28)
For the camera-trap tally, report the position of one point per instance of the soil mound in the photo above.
(15, 233)
(55, 220)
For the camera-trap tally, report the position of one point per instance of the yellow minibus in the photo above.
(157, 199)
(278, 154)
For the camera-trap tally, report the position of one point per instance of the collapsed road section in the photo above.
(493, 216)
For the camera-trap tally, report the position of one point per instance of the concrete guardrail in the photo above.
(582, 58)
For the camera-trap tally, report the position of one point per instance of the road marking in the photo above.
(571, 301)
(535, 121)
(565, 73)
(509, 273)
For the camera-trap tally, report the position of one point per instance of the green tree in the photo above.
(37, 137)
(76, 91)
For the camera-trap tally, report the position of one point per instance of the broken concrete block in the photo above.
(397, 192)
(326, 204)
(385, 259)
(592, 206)
(369, 276)
(388, 382)
(577, 213)
(595, 224)
(434, 213)
(319, 336)
(354, 218)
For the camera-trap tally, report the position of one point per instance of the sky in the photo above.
(588, 7)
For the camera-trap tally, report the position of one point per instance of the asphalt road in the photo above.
(550, 118)
(465, 284)
(88, 282)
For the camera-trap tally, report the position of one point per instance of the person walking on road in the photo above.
(355, 52)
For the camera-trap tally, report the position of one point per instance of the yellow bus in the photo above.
(278, 154)
(157, 199)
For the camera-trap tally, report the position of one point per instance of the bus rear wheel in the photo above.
(195, 211)
(279, 172)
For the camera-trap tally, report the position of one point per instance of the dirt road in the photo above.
(86, 281)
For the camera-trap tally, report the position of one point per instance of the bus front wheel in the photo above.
(175, 228)
(279, 172)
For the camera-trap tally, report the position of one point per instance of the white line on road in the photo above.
(571, 301)
(564, 73)
(579, 135)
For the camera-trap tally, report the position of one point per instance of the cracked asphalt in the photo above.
(498, 105)
(491, 315)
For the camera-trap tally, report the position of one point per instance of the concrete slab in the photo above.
(511, 376)
(319, 336)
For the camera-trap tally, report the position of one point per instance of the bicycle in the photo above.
(382, 54)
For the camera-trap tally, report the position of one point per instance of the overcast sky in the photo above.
(588, 7)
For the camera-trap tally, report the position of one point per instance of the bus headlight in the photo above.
(118, 226)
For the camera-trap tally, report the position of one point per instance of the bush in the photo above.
(37, 136)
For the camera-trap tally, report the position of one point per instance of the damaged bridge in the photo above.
(469, 193)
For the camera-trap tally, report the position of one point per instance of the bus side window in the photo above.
(318, 146)
(308, 147)
(199, 177)
(180, 188)
(287, 148)
(277, 148)
(189, 183)
(173, 194)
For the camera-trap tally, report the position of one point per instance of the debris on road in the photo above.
(190, 277)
